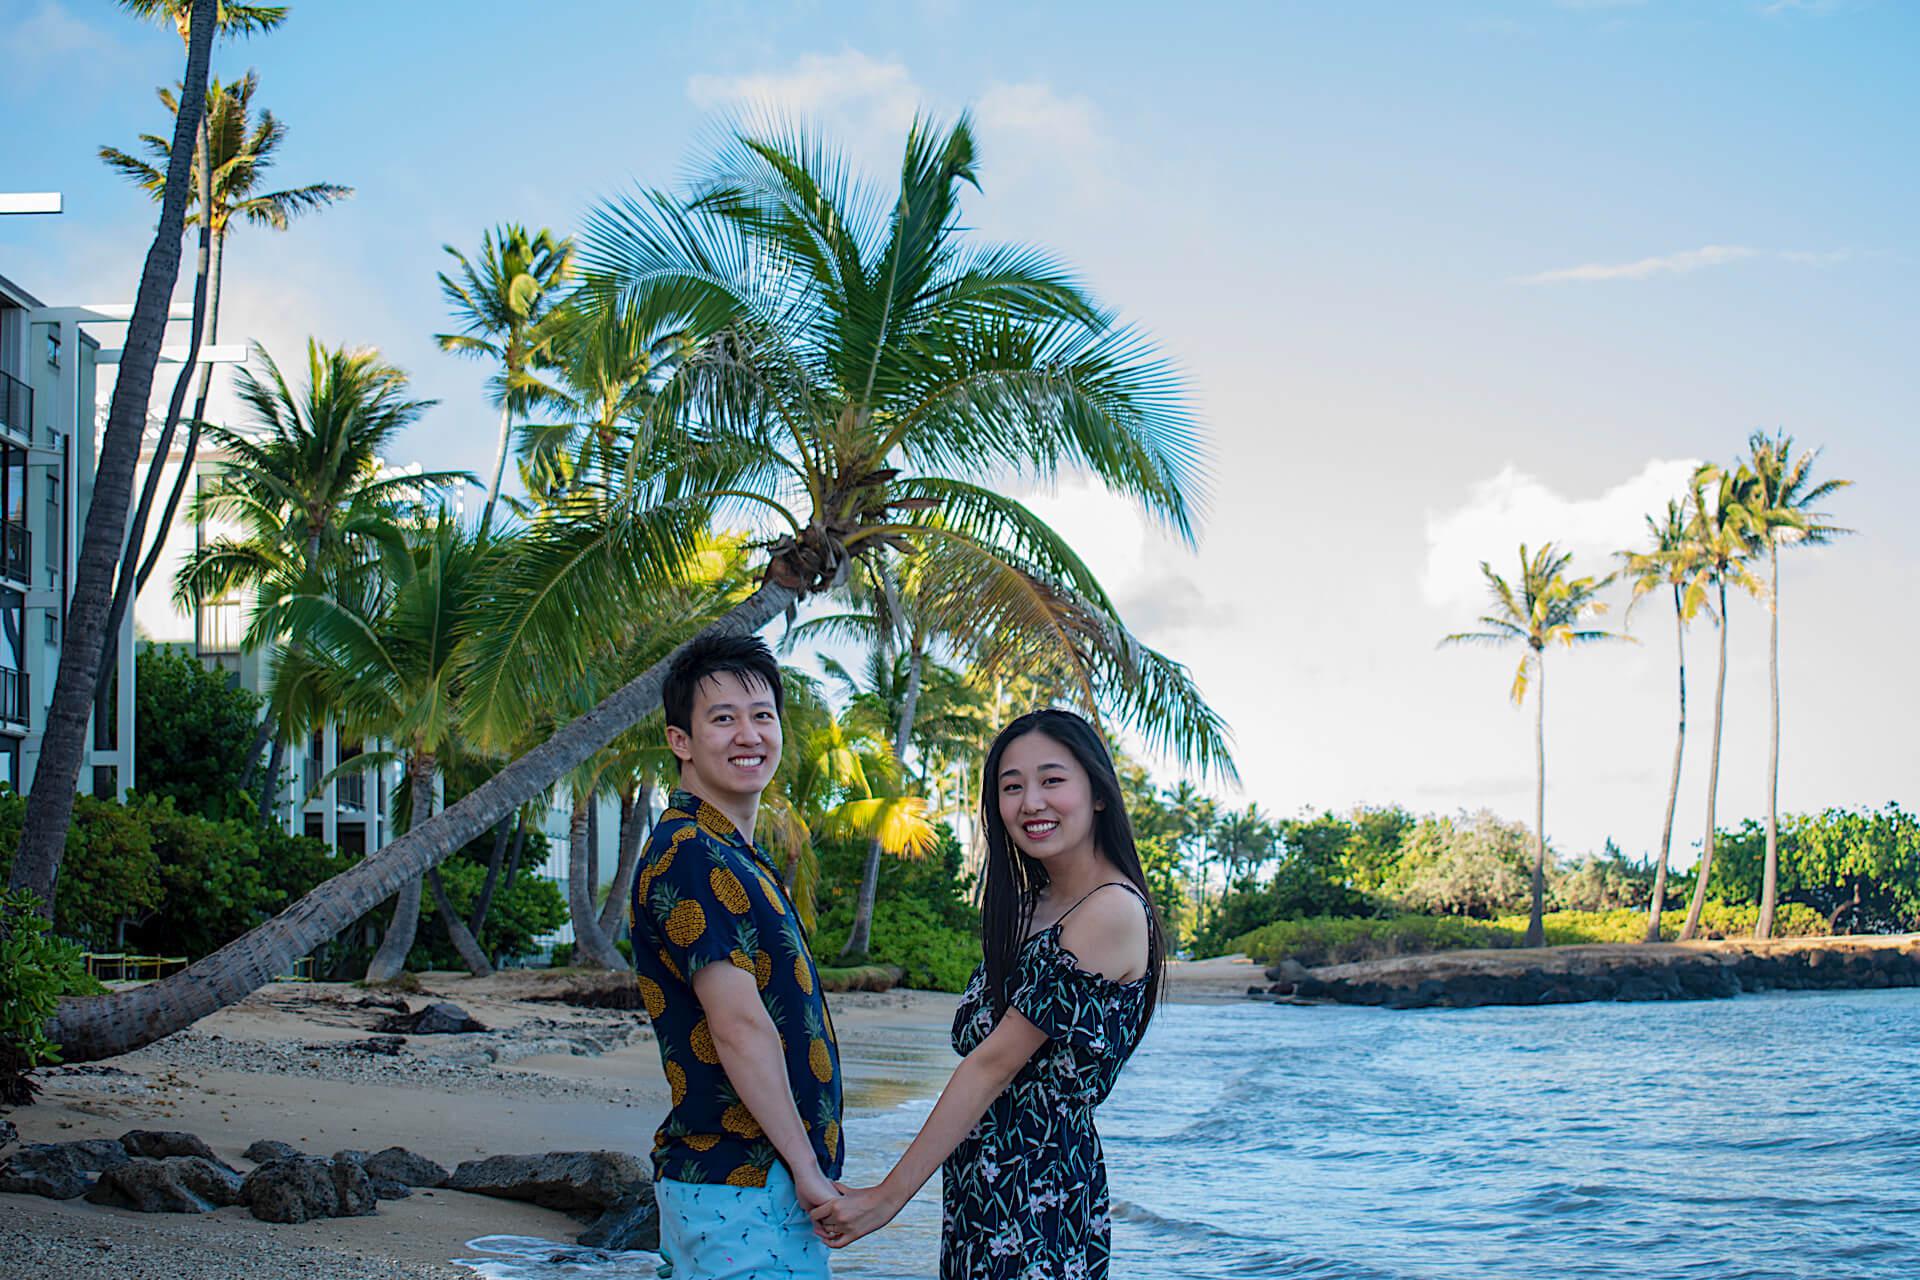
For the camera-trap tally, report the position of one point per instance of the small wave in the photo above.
(531, 1258)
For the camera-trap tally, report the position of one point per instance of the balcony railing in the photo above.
(16, 405)
(16, 552)
(351, 788)
(16, 692)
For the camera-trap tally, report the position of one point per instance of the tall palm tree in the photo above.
(1669, 560)
(852, 362)
(507, 302)
(235, 153)
(306, 482)
(43, 835)
(1783, 501)
(384, 660)
(1724, 537)
(1546, 609)
(228, 19)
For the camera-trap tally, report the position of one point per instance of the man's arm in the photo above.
(756, 1066)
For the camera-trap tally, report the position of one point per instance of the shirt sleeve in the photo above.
(682, 904)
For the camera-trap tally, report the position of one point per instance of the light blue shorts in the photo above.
(710, 1232)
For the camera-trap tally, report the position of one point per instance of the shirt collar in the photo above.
(710, 819)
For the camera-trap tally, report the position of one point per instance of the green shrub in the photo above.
(922, 921)
(932, 955)
(1629, 924)
(530, 908)
(36, 970)
(192, 730)
(1321, 940)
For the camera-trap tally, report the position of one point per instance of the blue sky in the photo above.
(1443, 276)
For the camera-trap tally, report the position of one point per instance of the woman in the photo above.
(1071, 974)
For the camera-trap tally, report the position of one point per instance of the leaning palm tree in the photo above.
(1783, 501)
(236, 152)
(63, 744)
(1723, 534)
(507, 303)
(852, 361)
(1670, 560)
(1546, 609)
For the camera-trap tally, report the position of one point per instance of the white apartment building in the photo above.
(49, 363)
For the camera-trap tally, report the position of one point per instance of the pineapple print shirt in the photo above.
(705, 894)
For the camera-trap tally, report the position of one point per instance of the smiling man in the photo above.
(752, 1141)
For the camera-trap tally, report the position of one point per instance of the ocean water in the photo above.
(1772, 1137)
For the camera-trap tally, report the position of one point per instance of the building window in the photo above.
(10, 762)
(16, 553)
(53, 347)
(104, 778)
(221, 627)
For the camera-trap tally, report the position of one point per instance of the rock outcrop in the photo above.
(576, 1182)
(171, 1184)
(301, 1188)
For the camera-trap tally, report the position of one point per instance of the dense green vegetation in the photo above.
(922, 920)
(1463, 882)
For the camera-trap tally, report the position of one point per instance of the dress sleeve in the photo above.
(682, 904)
(1069, 1004)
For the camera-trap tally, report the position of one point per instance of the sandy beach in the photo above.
(278, 1066)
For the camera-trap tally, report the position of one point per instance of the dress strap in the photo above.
(1111, 884)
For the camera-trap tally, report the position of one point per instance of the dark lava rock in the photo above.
(267, 1149)
(397, 1164)
(174, 1184)
(302, 1188)
(384, 1188)
(96, 1154)
(8, 1134)
(439, 1019)
(570, 1181)
(159, 1144)
(630, 1224)
(1287, 972)
(53, 1170)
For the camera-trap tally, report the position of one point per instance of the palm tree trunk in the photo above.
(496, 859)
(1699, 902)
(391, 957)
(261, 732)
(1770, 873)
(1536, 922)
(513, 859)
(130, 557)
(463, 941)
(270, 785)
(591, 949)
(499, 465)
(860, 936)
(634, 810)
(199, 420)
(89, 1028)
(1673, 788)
(43, 836)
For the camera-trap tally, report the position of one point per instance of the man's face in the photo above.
(732, 747)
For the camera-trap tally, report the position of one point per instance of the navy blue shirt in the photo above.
(703, 894)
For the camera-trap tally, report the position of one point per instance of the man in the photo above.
(752, 1142)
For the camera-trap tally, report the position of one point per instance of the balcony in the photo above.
(16, 552)
(16, 406)
(16, 692)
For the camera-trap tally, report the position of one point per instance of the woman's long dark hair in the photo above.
(1014, 880)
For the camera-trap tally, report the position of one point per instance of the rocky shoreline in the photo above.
(1613, 972)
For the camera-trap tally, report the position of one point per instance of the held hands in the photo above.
(857, 1212)
(814, 1189)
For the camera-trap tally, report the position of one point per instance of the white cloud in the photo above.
(1688, 260)
(864, 103)
(51, 40)
(1512, 507)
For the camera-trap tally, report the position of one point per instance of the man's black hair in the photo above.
(744, 656)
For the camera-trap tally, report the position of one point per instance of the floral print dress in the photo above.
(1024, 1196)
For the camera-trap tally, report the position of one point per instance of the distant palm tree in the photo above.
(237, 151)
(1546, 609)
(229, 19)
(1669, 561)
(384, 661)
(306, 484)
(838, 780)
(1784, 496)
(1723, 536)
(508, 303)
(870, 372)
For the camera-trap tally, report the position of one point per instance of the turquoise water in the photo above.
(1769, 1136)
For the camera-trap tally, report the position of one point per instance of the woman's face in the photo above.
(1046, 798)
